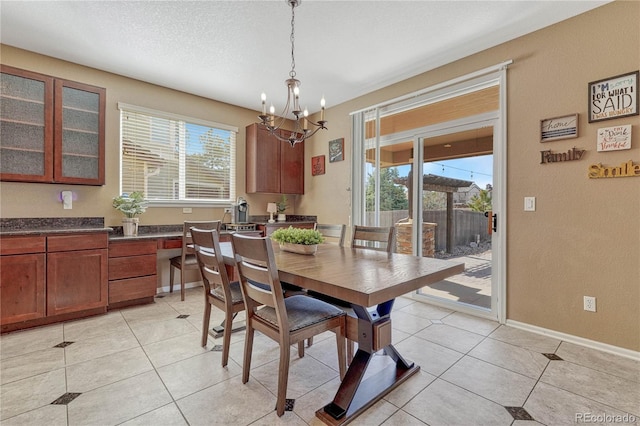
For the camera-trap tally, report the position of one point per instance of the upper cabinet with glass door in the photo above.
(52, 129)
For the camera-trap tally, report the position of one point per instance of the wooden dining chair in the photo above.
(218, 290)
(288, 320)
(334, 232)
(373, 238)
(187, 259)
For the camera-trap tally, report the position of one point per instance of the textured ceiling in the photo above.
(233, 50)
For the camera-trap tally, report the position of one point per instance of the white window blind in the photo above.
(172, 158)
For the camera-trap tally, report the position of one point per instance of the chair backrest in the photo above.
(374, 238)
(187, 242)
(332, 231)
(256, 264)
(207, 247)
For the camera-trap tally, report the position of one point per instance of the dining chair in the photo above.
(218, 290)
(288, 320)
(187, 259)
(374, 238)
(335, 232)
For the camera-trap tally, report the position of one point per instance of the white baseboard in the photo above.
(616, 350)
(176, 287)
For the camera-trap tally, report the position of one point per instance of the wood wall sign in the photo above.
(628, 169)
(614, 138)
(565, 127)
(317, 165)
(613, 97)
(549, 156)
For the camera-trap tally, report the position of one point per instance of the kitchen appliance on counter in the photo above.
(240, 211)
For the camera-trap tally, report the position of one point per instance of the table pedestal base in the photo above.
(358, 393)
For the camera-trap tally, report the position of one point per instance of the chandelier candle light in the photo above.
(301, 130)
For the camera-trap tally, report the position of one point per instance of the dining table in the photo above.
(370, 281)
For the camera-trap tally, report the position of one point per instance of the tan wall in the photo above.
(584, 238)
(41, 200)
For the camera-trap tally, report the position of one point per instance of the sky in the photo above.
(475, 169)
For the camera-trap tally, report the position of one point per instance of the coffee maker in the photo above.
(241, 211)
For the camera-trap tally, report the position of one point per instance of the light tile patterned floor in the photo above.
(145, 366)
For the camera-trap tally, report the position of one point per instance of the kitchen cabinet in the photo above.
(22, 279)
(132, 272)
(52, 129)
(46, 279)
(273, 166)
(76, 273)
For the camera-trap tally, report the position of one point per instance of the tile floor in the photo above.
(145, 366)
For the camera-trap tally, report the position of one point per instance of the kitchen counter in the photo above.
(47, 226)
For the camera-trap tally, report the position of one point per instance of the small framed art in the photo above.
(565, 127)
(317, 165)
(336, 150)
(613, 97)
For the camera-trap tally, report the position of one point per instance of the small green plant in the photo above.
(282, 204)
(131, 205)
(292, 235)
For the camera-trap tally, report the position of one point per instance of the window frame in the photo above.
(124, 108)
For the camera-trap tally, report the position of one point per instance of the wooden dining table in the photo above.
(370, 281)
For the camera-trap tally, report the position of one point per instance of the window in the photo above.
(175, 159)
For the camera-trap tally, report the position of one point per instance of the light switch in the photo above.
(529, 204)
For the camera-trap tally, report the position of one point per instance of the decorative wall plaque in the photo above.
(614, 138)
(556, 128)
(613, 97)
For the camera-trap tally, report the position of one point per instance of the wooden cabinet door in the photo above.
(26, 126)
(292, 168)
(263, 160)
(79, 133)
(22, 286)
(76, 280)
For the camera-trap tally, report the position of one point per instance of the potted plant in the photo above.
(130, 205)
(298, 240)
(282, 206)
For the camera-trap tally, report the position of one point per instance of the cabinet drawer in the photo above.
(131, 248)
(132, 288)
(132, 266)
(22, 245)
(77, 242)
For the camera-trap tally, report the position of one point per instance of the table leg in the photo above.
(357, 392)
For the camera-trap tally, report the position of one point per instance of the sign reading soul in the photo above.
(614, 138)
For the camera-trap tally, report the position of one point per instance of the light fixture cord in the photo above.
(292, 73)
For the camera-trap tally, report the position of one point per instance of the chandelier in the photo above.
(303, 127)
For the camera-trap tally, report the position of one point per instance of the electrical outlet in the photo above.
(227, 210)
(589, 303)
(187, 210)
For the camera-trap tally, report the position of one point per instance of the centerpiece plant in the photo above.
(131, 206)
(298, 240)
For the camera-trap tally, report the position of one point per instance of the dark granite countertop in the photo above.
(54, 225)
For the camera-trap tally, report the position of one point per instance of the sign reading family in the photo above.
(613, 97)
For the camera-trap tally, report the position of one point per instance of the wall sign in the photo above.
(628, 169)
(614, 138)
(549, 156)
(336, 150)
(552, 129)
(317, 165)
(613, 97)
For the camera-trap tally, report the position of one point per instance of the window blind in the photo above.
(172, 158)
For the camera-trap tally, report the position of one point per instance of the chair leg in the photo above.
(248, 347)
(226, 337)
(301, 349)
(340, 341)
(283, 377)
(172, 270)
(182, 284)
(205, 321)
(350, 349)
(309, 342)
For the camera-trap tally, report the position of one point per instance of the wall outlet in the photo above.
(529, 204)
(589, 303)
(227, 210)
(187, 210)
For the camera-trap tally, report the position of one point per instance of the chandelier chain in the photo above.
(292, 73)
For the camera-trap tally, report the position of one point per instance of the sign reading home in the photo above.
(614, 138)
(613, 97)
(552, 129)
(628, 169)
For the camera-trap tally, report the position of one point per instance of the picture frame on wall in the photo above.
(336, 150)
(556, 128)
(317, 165)
(614, 97)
